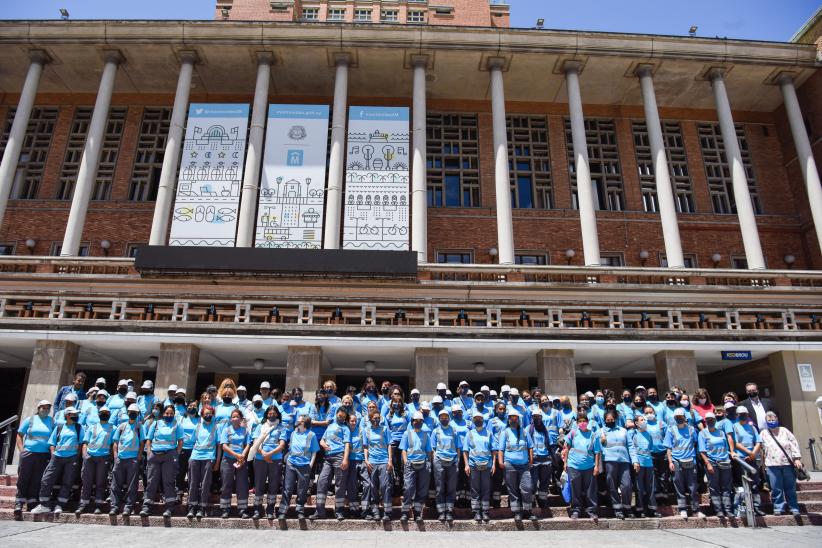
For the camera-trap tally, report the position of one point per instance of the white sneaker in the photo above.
(58, 509)
(41, 509)
(700, 515)
(683, 514)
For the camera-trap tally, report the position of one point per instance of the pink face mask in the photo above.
(583, 425)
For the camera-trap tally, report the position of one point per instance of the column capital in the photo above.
(712, 73)
(113, 56)
(497, 62)
(420, 60)
(40, 56)
(265, 58)
(573, 65)
(645, 69)
(342, 58)
(189, 56)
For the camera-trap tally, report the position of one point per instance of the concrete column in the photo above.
(251, 174)
(430, 368)
(585, 195)
(664, 192)
(90, 161)
(556, 374)
(804, 154)
(52, 366)
(744, 207)
(171, 156)
(11, 156)
(419, 190)
(676, 368)
(177, 364)
(303, 369)
(505, 226)
(797, 408)
(336, 159)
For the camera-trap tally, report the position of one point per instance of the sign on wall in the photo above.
(376, 179)
(211, 173)
(806, 380)
(290, 213)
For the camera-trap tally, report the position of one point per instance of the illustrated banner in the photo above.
(211, 174)
(376, 179)
(290, 212)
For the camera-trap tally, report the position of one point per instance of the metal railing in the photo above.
(6, 431)
(748, 472)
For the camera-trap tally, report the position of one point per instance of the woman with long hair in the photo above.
(336, 443)
(515, 456)
(164, 441)
(582, 454)
(233, 467)
(202, 463)
(266, 453)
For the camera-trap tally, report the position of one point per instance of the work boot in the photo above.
(270, 511)
(18, 511)
(191, 512)
(258, 511)
(80, 509)
(169, 510)
(477, 516)
(145, 511)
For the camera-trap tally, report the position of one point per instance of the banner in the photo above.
(211, 174)
(291, 208)
(376, 179)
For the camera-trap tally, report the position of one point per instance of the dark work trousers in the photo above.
(160, 469)
(497, 480)
(399, 472)
(445, 478)
(480, 489)
(94, 472)
(583, 490)
(200, 473)
(59, 469)
(182, 470)
(332, 469)
(233, 477)
(379, 488)
(619, 485)
(296, 481)
(416, 480)
(124, 483)
(662, 472)
(684, 484)
(29, 473)
(270, 472)
(519, 484)
(646, 489)
(357, 475)
(541, 477)
(720, 486)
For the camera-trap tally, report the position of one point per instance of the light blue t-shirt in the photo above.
(272, 441)
(745, 435)
(322, 414)
(515, 448)
(205, 441)
(98, 438)
(164, 436)
(615, 448)
(189, 425)
(657, 430)
(479, 445)
(640, 447)
(357, 454)
(67, 444)
(541, 442)
(417, 445)
(681, 442)
(301, 447)
(336, 436)
(128, 439)
(714, 445)
(377, 441)
(583, 447)
(446, 443)
(397, 425)
(36, 432)
(235, 438)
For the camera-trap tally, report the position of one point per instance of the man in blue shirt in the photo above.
(65, 444)
(76, 388)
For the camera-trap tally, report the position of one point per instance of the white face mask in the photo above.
(701, 401)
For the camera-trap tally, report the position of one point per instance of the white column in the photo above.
(336, 159)
(11, 156)
(171, 155)
(90, 160)
(664, 192)
(419, 191)
(804, 154)
(744, 207)
(251, 174)
(585, 195)
(505, 225)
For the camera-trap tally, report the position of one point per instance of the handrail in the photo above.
(5, 431)
(748, 472)
(9, 421)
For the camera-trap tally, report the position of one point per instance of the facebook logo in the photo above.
(295, 158)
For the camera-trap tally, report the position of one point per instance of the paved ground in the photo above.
(31, 535)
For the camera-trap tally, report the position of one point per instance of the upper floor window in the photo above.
(529, 167)
(611, 259)
(7, 249)
(33, 152)
(603, 162)
(148, 160)
(311, 14)
(336, 14)
(689, 260)
(416, 16)
(389, 16)
(455, 257)
(362, 15)
(453, 160)
(720, 183)
(677, 167)
(531, 258)
(57, 247)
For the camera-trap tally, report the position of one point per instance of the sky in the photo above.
(775, 20)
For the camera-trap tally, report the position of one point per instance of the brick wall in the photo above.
(782, 229)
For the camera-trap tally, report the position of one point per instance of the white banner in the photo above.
(376, 179)
(291, 208)
(211, 175)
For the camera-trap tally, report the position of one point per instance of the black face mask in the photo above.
(680, 420)
(653, 398)
(208, 418)
(104, 418)
(627, 399)
(610, 407)
(731, 414)
(258, 404)
(610, 424)
(753, 394)
(227, 401)
(179, 400)
(384, 390)
(100, 403)
(145, 391)
(133, 415)
(670, 403)
(123, 390)
(101, 385)
(192, 411)
(711, 423)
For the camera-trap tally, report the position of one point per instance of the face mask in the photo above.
(586, 404)
(639, 404)
(104, 418)
(297, 398)
(720, 418)
(650, 416)
(156, 413)
(626, 399)
(670, 403)
(653, 398)
(501, 414)
(642, 426)
(168, 419)
(546, 406)
(600, 400)
(711, 423)
(100, 403)
(444, 422)
(208, 418)
(384, 390)
(272, 418)
(415, 397)
(478, 424)
(610, 424)
(611, 407)
(227, 401)
(133, 415)
(701, 401)
(192, 411)
(686, 403)
(583, 425)
(680, 420)
(753, 394)
(417, 424)
(179, 401)
(514, 399)
(395, 405)
(145, 391)
(101, 385)
(43, 412)
(258, 404)
(567, 406)
(123, 390)
(772, 423)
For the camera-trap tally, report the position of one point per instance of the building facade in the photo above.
(587, 209)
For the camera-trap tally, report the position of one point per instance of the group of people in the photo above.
(372, 443)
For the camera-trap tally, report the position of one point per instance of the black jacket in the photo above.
(767, 404)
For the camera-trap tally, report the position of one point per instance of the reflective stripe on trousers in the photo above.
(518, 482)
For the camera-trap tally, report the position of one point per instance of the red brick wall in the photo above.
(781, 230)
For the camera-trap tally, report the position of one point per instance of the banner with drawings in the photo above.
(211, 174)
(292, 191)
(376, 179)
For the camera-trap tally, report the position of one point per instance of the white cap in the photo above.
(100, 379)
(436, 399)
(92, 390)
(448, 393)
(639, 387)
(131, 396)
(415, 391)
(492, 393)
(71, 396)
(441, 386)
(730, 405)
(265, 384)
(537, 413)
(180, 390)
(241, 388)
(172, 388)
(514, 412)
(589, 394)
(505, 388)
(102, 392)
(257, 397)
(470, 392)
(148, 385)
(44, 402)
(484, 388)
(129, 381)
(71, 410)
(133, 407)
(456, 409)
(477, 413)
(512, 392)
(417, 416)
(679, 412)
(443, 411)
(462, 382)
(710, 415)
(104, 408)
(741, 409)
(426, 405)
(122, 382)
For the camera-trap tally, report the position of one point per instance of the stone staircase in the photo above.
(554, 517)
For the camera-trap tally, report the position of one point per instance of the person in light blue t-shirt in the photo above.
(680, 441)
(416, 456)
(714, 451)
(446, 444)
(234, 465)
(379, 464)
(266, 453)
(336, 442)
(164, 441)
(617, 459)
(746, 443)
(640, 447)
(33, 448)
(515, 456)
(127, 448)
(302, 451)
(479, 465)
(203, 461)
(96, 452)
(582, 455)
(65, 442)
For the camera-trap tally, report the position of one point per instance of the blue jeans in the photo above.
(783, 486)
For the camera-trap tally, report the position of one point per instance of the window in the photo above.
(528, 164)
(611, 259)
(453, 160)
(720, 184)
(416, 16)
(603, 161)
(131, 249)
(455, 257)
(677, 166)
(7, 249)
(56, 247)
(739, 262)
(336, 14)
(148, 160)
(362, 15)
(531, 259)
(311, 14)
(33, 151)
(389, 16)
(689, 260)
(108, 154)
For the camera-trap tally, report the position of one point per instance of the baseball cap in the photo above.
(513, 392)
(417, 416)
(477, 413)
(122, 382)
(172, 388)
(131, 396)
(265, 384)
(537, 413)
(181, 390)
(485, 388)
(71, 410)
(741, 409)
(514, 412)
(241, 388)
(100, 379)
(730, 405)
(44, 402)
(639, 387)
(505, 388)
(415, 391)
(679, 412)
(710, 415)
(441, 386)
(443, 411)
(148, 385)
(133, 407)
(103, 393)
(436, 399)
(71, 396)
(257, 397)
(448, 393)
(492, 393)
(426, 405)
(463, 382)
